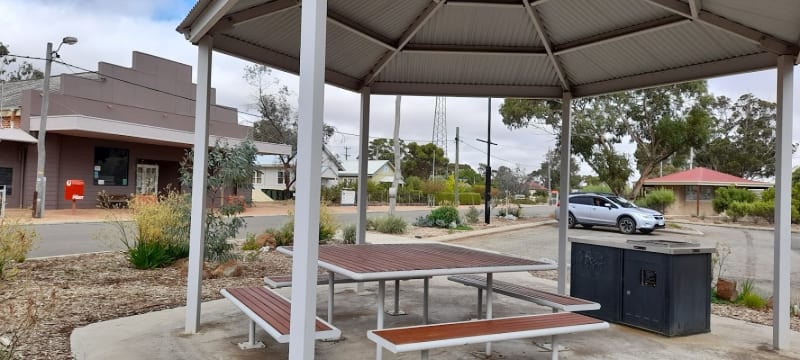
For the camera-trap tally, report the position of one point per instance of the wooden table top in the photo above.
(397, 261)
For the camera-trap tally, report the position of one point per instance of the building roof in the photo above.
(533, 185)
(11, 91)
(704, 176)
(351, 167)
(509, 48)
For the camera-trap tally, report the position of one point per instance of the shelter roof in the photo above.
(704, 176)
(509, 48)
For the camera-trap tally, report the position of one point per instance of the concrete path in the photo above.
(159, 335)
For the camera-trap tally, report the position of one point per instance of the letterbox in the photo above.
(73, 190)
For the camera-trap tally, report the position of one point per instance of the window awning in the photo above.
(17, 135)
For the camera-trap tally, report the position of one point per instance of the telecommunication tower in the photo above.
(439, 129)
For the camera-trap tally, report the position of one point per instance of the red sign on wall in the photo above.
(73, 190)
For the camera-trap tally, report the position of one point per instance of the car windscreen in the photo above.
(622, 202)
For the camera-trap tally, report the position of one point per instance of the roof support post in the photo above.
(537, 24)
(363, 158)
(783, 190)
(563, 190)
(309, 156)
(197, 231)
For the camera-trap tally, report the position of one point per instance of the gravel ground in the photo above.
(60, 294)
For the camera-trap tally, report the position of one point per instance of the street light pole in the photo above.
(41, 180)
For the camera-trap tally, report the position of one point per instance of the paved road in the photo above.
(80, 238)
(751, 250)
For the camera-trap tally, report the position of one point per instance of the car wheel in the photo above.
(571, 221)
(646, 231)
(587, 226)
(626, 225)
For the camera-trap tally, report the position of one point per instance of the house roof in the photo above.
(351, 167)
(509, 48)
(533, 185)
(704, 176)
(11, 94)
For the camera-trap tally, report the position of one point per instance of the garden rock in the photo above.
(230, 268)
(726, 289)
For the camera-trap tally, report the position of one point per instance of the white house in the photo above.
(381, 171)
(269, 177)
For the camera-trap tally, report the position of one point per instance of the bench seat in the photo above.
(541, 297)
(425, 337)
(272, 312)
(285, 280)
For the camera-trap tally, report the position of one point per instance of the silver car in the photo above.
(590, 209)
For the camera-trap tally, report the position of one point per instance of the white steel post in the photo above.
(783, 202)
(199, 170)
(563, 191)
(309, 156)
(363, 157)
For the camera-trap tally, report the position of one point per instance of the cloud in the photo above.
(109, 31)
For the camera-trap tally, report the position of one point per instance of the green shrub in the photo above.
(764, 210)
(250, 243)
(327, 227)
(390, 224)
(601, 188)
(515, 211)
(468, 198)
(723, 197)
(738, 209)
(749, 298)
(349, 234)
(16, 240)
(472, 215)
(149, 255)
(659, 199)
(753, 301)
(444, 216)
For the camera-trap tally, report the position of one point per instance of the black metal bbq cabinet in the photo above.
(662, 286)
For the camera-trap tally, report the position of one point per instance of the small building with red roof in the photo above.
(694, 189)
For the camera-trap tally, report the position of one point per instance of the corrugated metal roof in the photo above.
(470, 69)
(577, 19)
(491, 48)
(12, 90)
(470, 25)
(390, 18)
(775, 17)
(685, 44)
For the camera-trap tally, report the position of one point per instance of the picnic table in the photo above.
(382, 262)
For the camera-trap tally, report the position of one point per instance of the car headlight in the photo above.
(647, 217)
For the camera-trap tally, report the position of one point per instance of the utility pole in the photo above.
(549, 178)
(487, 209)
(396, 140)
(439, 138)
(455, 186)
(346, 155)
(41, 180)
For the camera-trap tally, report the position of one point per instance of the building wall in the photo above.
(12, 156)
(154, 91)
(682, 206)
(70, 157)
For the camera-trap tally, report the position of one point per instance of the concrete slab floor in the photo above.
(159, 335)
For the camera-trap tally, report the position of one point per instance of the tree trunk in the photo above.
(637, 187)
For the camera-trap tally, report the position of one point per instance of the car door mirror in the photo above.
(608, 205)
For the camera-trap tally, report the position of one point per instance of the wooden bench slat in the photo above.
(557, 301)
(285, 280)
(273, 312)
(478, 331)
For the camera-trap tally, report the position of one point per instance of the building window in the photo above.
(111, 166)
(6, 177)
(258, 177)
(280, 177)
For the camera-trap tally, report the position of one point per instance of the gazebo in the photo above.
(483, 48)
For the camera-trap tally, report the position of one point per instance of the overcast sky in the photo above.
(109, 31)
